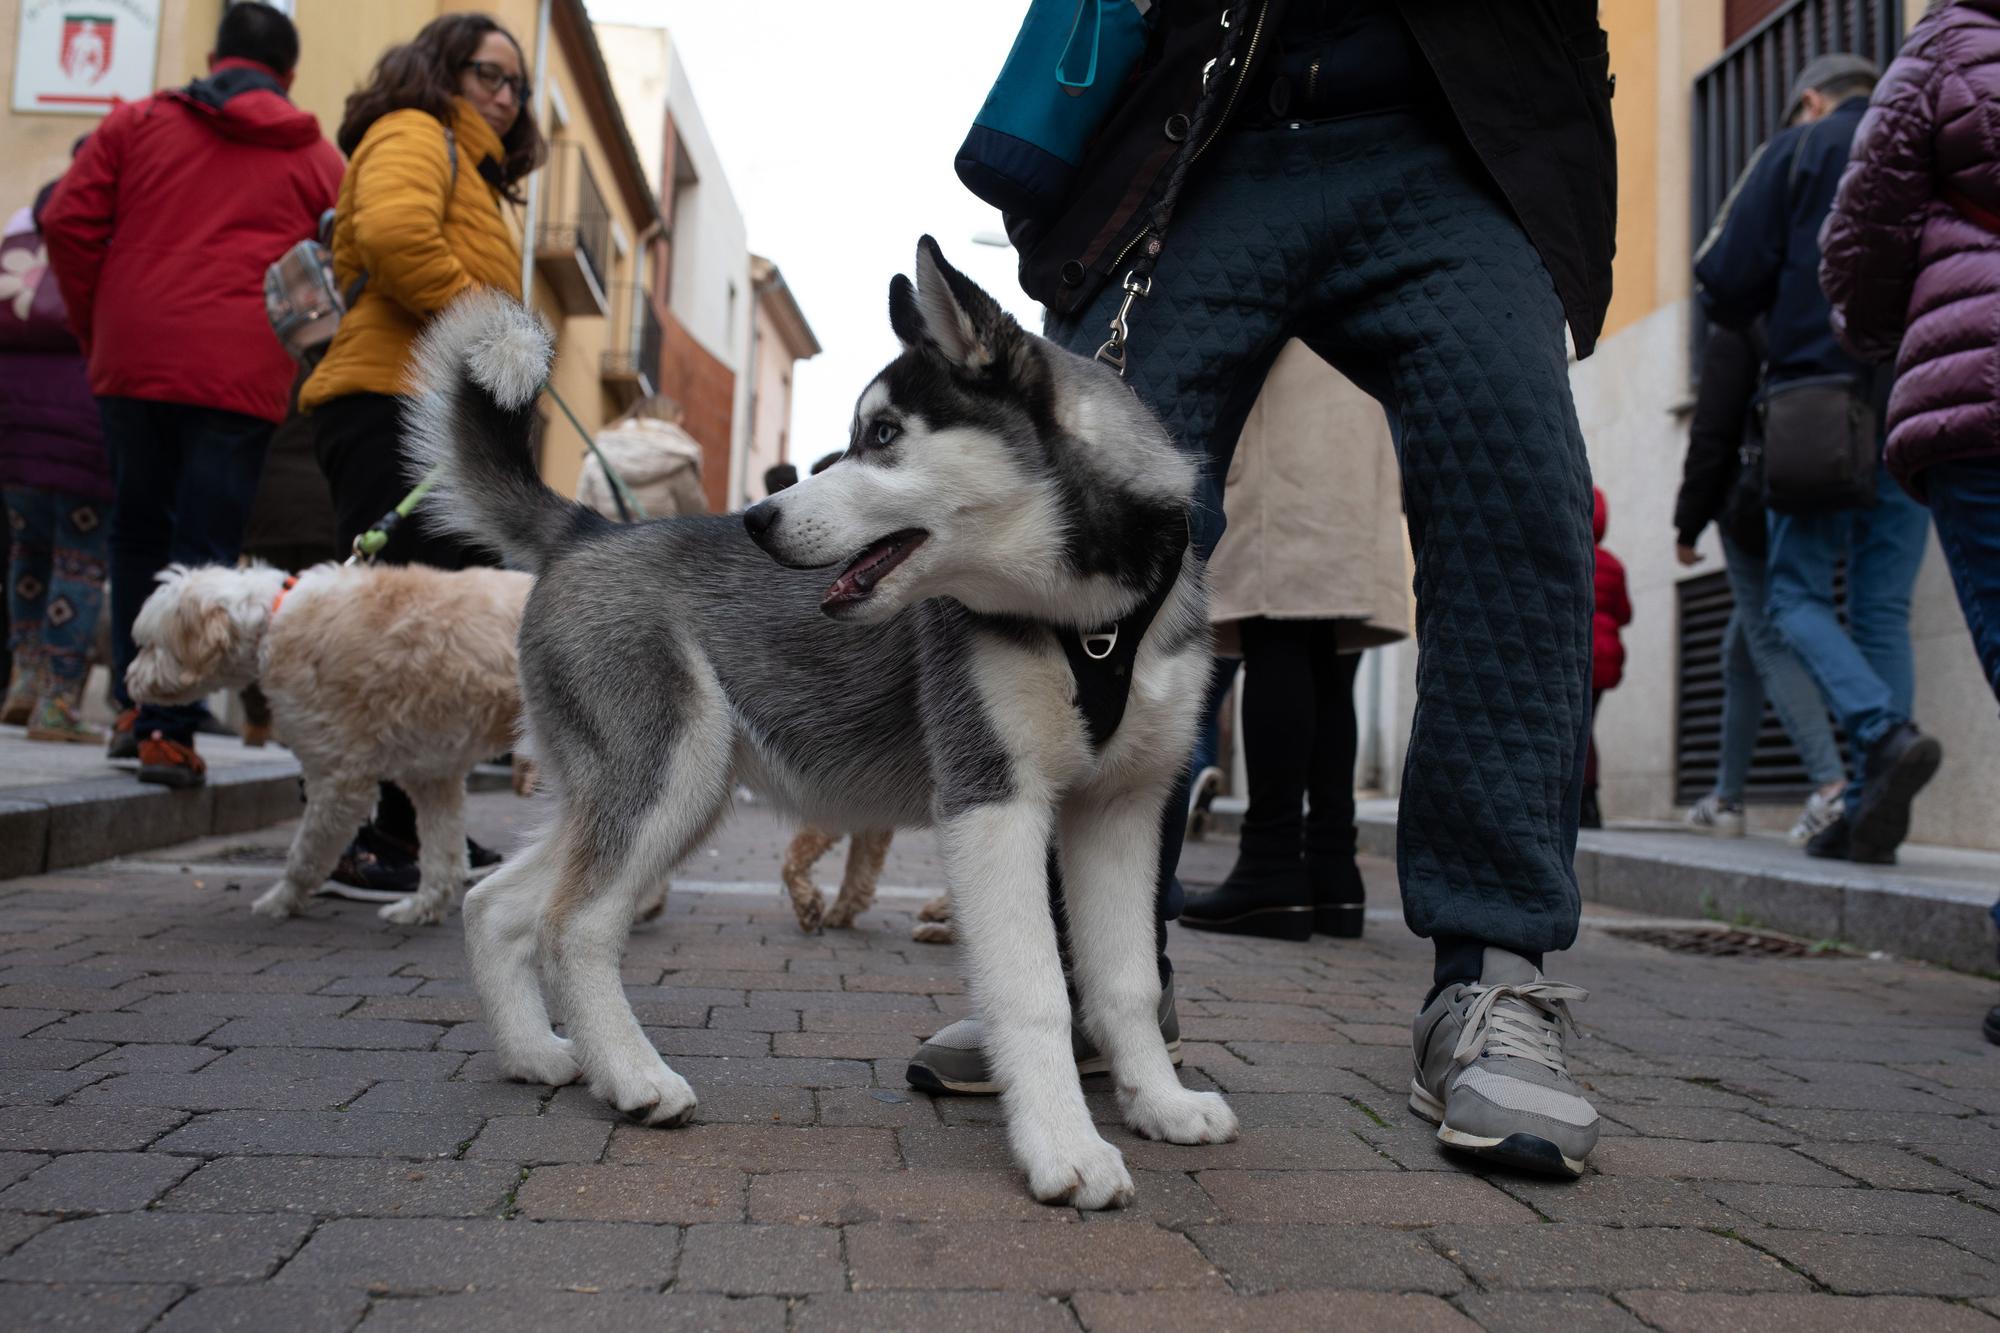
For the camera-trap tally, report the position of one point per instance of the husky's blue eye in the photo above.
(886, 432)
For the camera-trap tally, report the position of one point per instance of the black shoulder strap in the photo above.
(360, 283)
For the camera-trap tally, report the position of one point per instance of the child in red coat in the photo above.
(1613, 612)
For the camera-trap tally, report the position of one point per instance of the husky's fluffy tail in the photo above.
(478, 369)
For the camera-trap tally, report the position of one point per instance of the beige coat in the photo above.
(659, 463)
(1315, 509)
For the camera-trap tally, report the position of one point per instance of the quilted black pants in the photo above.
(1379, 241)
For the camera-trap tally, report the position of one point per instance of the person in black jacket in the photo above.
(1761, 261)
(1756, 661)
(1423, 192)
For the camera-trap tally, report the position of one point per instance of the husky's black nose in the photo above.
(759, 519)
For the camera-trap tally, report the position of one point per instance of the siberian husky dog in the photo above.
(881, 645)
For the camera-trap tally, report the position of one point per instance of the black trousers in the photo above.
(358, 441)
(1299, 738)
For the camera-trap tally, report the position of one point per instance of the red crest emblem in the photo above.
(86, 47)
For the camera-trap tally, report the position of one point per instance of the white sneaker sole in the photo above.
(1529, 1152)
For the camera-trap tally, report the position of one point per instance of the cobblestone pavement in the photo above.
(217, 1122)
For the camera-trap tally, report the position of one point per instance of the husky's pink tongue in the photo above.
(858, 580)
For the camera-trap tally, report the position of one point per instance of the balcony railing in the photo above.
(631, 364)
(573, 242)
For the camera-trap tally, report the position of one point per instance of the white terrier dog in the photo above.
(374, 673)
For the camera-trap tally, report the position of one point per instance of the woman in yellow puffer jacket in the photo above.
(438, 143)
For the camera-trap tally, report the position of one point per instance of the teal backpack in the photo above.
(1060, 82)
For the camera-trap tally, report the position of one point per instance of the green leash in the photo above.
(369, 544)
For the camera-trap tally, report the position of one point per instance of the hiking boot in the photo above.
(1898, 767)
(1716, 817)
(1491, 1073)
(22, 689)
(1339, 898)
(166, 763)
(1834, 843)
(480, 859)
(954, 1061)
(1269, 898)
(1818, 816)
(375, 868)
(124, 741)
(56, 719)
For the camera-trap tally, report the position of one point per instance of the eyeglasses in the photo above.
(493, 78)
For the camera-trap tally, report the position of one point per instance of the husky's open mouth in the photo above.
(857, 582)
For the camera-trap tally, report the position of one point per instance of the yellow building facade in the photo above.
(591, 230)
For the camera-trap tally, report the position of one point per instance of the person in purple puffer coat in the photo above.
(1910, 259)
(57, 484)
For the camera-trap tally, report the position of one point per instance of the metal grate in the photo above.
(1776, 772)
(1721, 942)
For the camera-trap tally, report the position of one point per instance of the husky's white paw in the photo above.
(419, 909)
(1090, 1174)
(1181, 1116)
(276, 902)
(550, 1061)
(653, 1095)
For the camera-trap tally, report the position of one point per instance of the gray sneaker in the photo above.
(1491, 1074)
(954, 1060)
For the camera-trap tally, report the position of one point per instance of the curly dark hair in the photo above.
(424, 73)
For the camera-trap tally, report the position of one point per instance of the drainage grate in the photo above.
(1717, 942)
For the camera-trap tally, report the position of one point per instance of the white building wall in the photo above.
(709, 252)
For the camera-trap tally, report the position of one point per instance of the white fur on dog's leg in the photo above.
(441, 865)
(500, 938)
(1109, 855)
(335, 807)
(549, 1060)
(997, 859)
(278, 902)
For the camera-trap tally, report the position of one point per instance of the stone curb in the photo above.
(65, 824)
(1935, 920)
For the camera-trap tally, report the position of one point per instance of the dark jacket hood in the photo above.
(244, 101)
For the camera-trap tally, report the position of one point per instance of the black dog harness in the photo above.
(1100, 661)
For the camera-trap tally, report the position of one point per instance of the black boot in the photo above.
(1340, 900)
(1337, 892)
(1264, 895)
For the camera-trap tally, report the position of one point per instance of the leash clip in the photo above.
(1112, 353)
(1098, 643)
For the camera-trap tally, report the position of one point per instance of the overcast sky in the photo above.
(836, 125)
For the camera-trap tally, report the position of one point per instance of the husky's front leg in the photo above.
(1110, 858)
(997, 856)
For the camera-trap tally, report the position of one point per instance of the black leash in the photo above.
(1218, 99)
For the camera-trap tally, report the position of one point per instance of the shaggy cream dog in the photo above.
(405, 674)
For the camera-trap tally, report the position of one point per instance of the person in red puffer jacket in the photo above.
(159, 236)
(1613, 611)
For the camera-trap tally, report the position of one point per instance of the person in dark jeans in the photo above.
(1761, 261)
(1423, 193)
(160, 233)
(1757, 663)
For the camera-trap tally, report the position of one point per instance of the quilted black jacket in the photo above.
(1528, 83)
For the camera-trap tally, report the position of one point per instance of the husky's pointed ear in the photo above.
(957, 317)
(904, 316)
